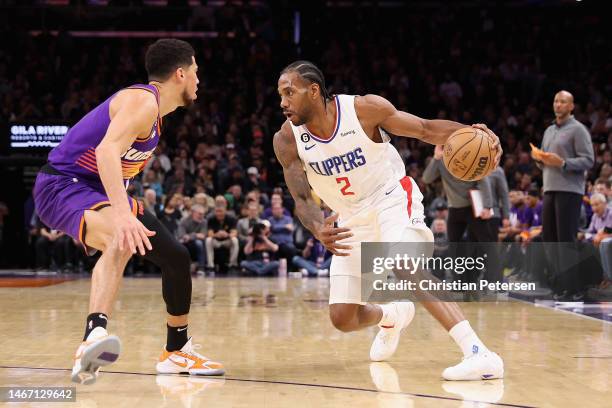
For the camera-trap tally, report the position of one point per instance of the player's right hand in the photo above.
(329, 235)
(131, 234)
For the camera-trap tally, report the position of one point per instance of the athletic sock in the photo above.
(466, 338)
(177, 338)
(95, 320)
(389, 316)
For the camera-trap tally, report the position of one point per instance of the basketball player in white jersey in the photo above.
(339, 146)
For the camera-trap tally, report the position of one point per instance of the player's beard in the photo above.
(302, 118)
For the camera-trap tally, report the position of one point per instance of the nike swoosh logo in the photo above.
(309, 147)
(183, 329)
(178, 363)
(389, 192)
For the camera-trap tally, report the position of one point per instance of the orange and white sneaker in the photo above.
(187, 360)
(97, 351)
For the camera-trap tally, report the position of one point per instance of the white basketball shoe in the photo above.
(188, 361)
(386, 341)
(482, 365)
(97, 351)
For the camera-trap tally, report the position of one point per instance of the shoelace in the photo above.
(471, 356)
(195, 353)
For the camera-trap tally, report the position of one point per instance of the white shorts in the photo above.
(398, 217)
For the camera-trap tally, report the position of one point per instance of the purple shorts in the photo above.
(61, 202)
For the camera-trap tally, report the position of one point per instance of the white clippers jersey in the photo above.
(349, 172)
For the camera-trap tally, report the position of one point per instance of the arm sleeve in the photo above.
(432, 171)
(584, 151)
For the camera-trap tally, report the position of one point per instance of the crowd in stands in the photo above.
(214, 181)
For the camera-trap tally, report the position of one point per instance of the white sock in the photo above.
(389, 316)
(466, 338)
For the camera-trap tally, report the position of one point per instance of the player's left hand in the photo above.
(496, 145)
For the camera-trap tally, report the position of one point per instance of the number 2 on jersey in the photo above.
(347, 184)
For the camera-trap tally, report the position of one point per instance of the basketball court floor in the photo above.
(280, 350)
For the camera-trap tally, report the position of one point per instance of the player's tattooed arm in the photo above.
(286, 152)
(376, 111)
(306, 208)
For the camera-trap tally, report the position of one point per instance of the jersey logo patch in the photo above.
(310, 147)
(305, 137)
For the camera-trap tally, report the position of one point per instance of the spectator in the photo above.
(600, 234)
(254, 180)
(275, 199)
(150, 202)
(438, 208)
(152, 180)
(438, 227)
(170, 216)
(53, 250)
(602, 186)
(533, 212)
(180, 181)
(221, 201)
(192, 233)
(221, 234)
(234, 198)
(186, 207)
(246, 224)
(282, 231)
(204, 200)
(314, 259)
(517, 218)
(441, 211)
(260, 251)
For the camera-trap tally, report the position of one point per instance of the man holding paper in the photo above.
(470, 204)
(565, 157)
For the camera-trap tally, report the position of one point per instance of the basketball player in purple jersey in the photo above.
(82, 191)
(339, 147)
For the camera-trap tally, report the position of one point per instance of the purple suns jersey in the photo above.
(76, 155)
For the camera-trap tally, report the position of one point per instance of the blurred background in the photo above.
(467, 61)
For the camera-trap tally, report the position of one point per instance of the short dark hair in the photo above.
(310, 72)
(602, 180)
(164, 56)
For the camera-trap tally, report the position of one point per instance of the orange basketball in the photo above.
(468, 154)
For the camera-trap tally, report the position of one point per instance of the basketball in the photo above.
(468, 154)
